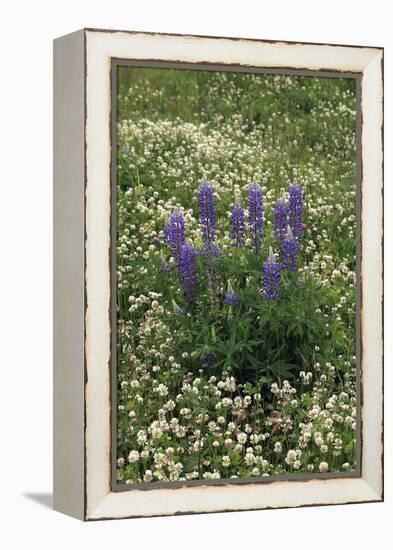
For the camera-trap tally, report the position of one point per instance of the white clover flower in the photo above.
(249, 459)
(278, 447)
(291, 457)
(247, 400)
(226, 461)
(141, 437)
(323, 467)
(133, 457)
(148, 476)
(169, 451)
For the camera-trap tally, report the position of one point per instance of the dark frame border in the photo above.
(115, 63)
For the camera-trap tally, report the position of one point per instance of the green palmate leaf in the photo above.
(265, 380)
(236, 459)
(190, 463)
(283, 370)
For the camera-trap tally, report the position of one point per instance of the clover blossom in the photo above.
(295, 209)
(230, 298)
(271, 277)
(238, 231)
(176, 234)
(207, 213)
(289, 251)
(187, 272)
(280, 220)
(255, 216)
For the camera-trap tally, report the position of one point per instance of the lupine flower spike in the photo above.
(231, 298)
(187, 272)
(295, 209)
(208, 360)
(207, 224)
(238, 231)
(289, 251)
(176, 234)
(255, 216)
(280, 221)
(207, 214)
(272, 277)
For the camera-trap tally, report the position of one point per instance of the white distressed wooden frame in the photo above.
(82, 386)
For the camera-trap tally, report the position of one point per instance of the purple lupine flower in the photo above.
(255, 216)
(187, 271)
(289, 251)
(176, 234)
(211, 253)
(238, 231)
(271, 277)
(207, 213)
(230, 298)
(280, 220)
(295, 209)
(208, 360)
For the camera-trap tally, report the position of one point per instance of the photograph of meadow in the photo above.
(235, 275)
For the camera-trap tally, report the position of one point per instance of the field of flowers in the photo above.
(236, 257)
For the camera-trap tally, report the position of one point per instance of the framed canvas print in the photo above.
(218, 340)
